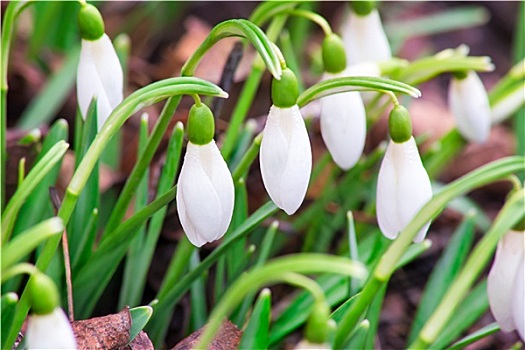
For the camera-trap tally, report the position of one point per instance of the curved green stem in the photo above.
(489, 173)
(240, 28)
(510, 214)
(18, 269)
(274, 271)
(345, 84)
(314, 17)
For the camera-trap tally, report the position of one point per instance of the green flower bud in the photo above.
(318, 327)
(43, 294)
(460, 74)
(399, 124)
(90, 22)
(363, 8)
(201, 125)
(285, 91)
(334, 55)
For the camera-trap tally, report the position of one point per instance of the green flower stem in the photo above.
(509, 215)
(248, 93)
(314, 17)
(345, 84)
(142, 164)
(140, 98)
(274, 271)
(489, 173)
(13, 10)
(236, 27)
(268, 10)
(427, 68)
(18, 269)
(248, 158)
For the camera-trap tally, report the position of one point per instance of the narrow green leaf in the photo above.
(38, 205)
(139, 318)
(89, 197)
(199, 314)
(445, 271)
(474, 337)
(472, 308)
(37, 173)
(358, 338)
(32, 137)
(88, 239)
(255, 336)
(131, 291)
(240, 213)
(345, 84)
(27, 241)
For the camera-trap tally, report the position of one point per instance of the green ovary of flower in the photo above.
(90, 23)
(399, 124)
(363, 8)
(43, 294)
(286, 90)
(333, 52)
(201, 125)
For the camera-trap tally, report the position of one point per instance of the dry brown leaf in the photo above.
(106, 332)
(228, 338)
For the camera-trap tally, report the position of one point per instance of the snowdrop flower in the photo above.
(469, 104)
(343, 117)
(403, 185)
(48, 326)
(505, 284)
(363, 35)
(50, 331)
(286, 155)
(99, 73)
(205, 193)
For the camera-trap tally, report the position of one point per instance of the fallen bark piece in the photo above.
(141, 342)
(228, 338)
(106, 332)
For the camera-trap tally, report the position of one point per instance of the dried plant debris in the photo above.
(228, 337)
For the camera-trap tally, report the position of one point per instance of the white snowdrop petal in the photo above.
(366, 69)
(403, 188)
(222, 182)
(364, 39)
(343, 127)
(469, 104)
(508, 257)
(109, 69)
(386, 196)
(52, 331)
(414, 188)
(205, 194)
(286, 158)
(99, 75)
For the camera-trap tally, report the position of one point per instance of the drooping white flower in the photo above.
(343, 126)
(286, 158)
(99, 75)
(505, 284)
(205, 194)
(403, 187)
(469, 104)
(365, 39)
(51, 331)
